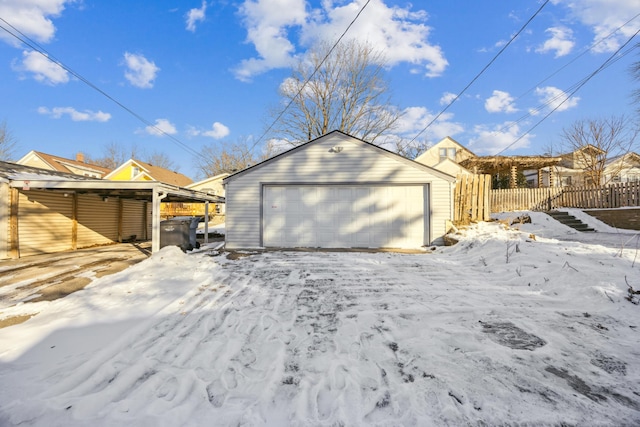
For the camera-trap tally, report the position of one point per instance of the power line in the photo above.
(39, 49)
(552, 100)
(310, 77)
(480, 73)
(604, 65)
(581, 54)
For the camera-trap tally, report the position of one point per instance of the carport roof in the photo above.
(27, 177)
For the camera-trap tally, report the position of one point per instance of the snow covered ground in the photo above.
(508, 327)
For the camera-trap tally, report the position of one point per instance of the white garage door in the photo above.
(344, 216)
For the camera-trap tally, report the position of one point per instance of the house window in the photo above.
(447, 153)
(134, 171)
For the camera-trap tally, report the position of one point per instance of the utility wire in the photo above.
(480, 73)
(604, 65)
(310, 77)
(581, 54)
(39, 49)
(552, 100)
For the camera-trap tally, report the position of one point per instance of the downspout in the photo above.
(155, 219)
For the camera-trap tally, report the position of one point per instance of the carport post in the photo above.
(206, 222)
(155, 219)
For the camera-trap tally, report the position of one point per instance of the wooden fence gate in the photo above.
(471, 198)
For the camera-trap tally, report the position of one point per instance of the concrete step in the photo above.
(570, 221)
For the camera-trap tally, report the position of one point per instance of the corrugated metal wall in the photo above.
(4, 220)
(97, 220)
(133, 219)
(44, 222)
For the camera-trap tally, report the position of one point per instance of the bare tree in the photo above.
(227, 157)
(635, 73)
(115, 154)
(594, 142)
(8, 143)
(160, 159)
(348, 92)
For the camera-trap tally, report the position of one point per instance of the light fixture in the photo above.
(336, 149)
(105, 199)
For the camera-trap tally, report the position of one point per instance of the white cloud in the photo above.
(604, 16)
(218, 131)
(492, 140)
(267, 23)
(447, 98)
(402, 34)
(75, 115)
(399, 32)
(42, 68)
(141, 72)
(414, 119)
(554, 98)
(196, 15)
(500, 102)
(162, 126)
(561, 41)
(32, 18)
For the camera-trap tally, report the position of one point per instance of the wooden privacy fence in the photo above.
(471, 198)
(541, 199)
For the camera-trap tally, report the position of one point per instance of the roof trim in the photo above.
(344, 136)
(105, 185)
(119, 169)
(21, 176)
(209, 179)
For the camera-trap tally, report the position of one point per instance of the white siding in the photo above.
(97, 220)
(44, 222)
(357, 163)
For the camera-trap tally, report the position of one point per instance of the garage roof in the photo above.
(363, 143)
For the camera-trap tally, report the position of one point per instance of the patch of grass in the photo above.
(15, 320)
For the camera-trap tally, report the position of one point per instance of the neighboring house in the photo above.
(624, 168)
(574, 169)
(552, 176)
(136, 170)
(78, 166)
(576, 166)
(338, 191)
(446, 156)
(212, 185)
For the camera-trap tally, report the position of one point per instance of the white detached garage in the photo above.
(337, 191)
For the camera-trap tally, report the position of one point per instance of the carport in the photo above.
(67, 196)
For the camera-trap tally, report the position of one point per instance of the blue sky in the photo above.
(208, 72)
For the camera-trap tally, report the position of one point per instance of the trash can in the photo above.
(179, 231)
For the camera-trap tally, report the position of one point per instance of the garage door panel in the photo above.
(343, 216)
